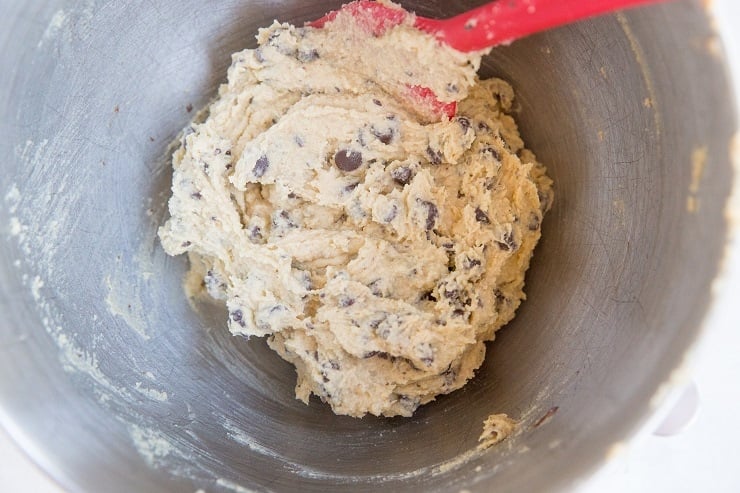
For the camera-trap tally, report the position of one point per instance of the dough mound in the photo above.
(377, 249)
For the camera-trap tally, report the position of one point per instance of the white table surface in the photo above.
(704, 457)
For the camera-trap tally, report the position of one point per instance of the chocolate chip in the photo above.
(347, 160)
(432, 214)
(544, 200)
(458, 299)
(429, 296)
(255, 233)
(464, 123)
(259, 55)
(187, 131)
(213, 282)
(186, 244)
(346, 301)
(408, 401)
(450, 375)
(377, 354)
(189, 108)
(283, 220)
(375, 288)
(361, 139)
(196, 195)
(434, 155)
(307, 284)
(260, 167)
(377, 102)
(391, 215)
(491, 152)
(402, 175)
(488, 183)
(481, 216)
(534, 222)
(384, 136)
(469, 263)
(507, 243)
(308, 55)
(381, 326)
(425, 352)
(228, 153)
(238, 317)
(452, 294)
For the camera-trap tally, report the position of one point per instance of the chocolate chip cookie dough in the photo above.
(375, 248)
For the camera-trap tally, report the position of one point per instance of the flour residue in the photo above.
(242, 438)
(151, 444)
(39, 237)
(63, 23)
(12, 198)
(36, 285)
(29, 152)
(123, 301)
(154, 394)
(235, 487)
(16, 228)
(55, 25)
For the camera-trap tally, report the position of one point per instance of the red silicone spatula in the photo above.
(494, 23)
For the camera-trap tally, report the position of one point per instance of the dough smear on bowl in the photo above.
(376, 248)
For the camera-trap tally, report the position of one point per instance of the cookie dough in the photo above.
(496, 428)
(375, 248)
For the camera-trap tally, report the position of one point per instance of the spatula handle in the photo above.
(503, 21)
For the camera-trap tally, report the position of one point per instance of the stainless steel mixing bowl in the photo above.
(112, 382)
